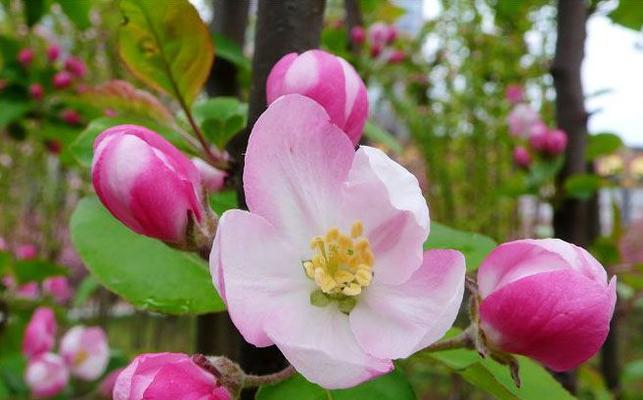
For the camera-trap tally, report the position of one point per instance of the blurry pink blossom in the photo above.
(36, 91)
(26, 252)
(76, 67)
(538, 134)
(25, 57)
(85, 351)
(358, 35)
(521, 157)
(40, 334)
(53, 52)
(28, 291)
(556, 142)
(396, 57)
(521, 119)
(57, 287)
(71, 116)
(62, 80)
(46, 375)
(514, 94)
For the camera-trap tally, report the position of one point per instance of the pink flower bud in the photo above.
(58, 288)
(358, 35)
(26, 252)
(376, 50)
(106, 387)
(556, 142)
(380, 34)
(514, 94)
(146, 182)
(25, 57)
(538, 134)
(521, 119)
(70, 116)
(28, 291)
(396, 57)
(46, 375)
(85, 351)
(53, 52)
(545, 299)
(36, 91)
(54, 146)
(522, 158)
(62, 80)
(76, 66)
(213, 179)
(327, 79)
(40, 334)
(392, 34)
(167, 376)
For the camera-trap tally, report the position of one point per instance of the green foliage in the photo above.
(36, 270)
(602, 144)
(378, 135)
(13, 110)
(34, 10)
(582, 186)
(230, 51)
(221, 118)
(223, 201)
(392, 386)
(84, 291)
(77, 12)
(144, 271)
(629, 14)
(167, 46)
(474, 246)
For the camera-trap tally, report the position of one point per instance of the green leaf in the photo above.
(393, 386)
(378, 135)
(13, 110)
(230, 51)
(602, 144)
(34, 10)
(167, 46)
(224, 201)
(543, 172)
(221, 118)
(86, 288)
(633, 371)
(144, 271)
(474, 246)
(36, 270)
(629, 13)
(582, 186)
(482, 378)
(77, 12)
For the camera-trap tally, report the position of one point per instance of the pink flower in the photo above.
(57, 287)
(146, 183)
(376, 50)
(76, 66)
(71, 116)
(358, 35)
(327, 79)
(28, 291)
(62, 80)
(328, 263)
(46, 375)
(213, 179)
(26, 252)
(381, 34)
(396, 57)
(556, 142)
(53, 52)
(521, 157)
(85, 351)
(40, 334)
(521, 119)
(538, 136)
(514, 94)
(545, 299)
(25, 57)
(36, 91)
(9, 282)
(167, 376)
(106, 387)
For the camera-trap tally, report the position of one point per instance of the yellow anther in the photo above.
(325, 282)
(332, 235)
(362, 245)
(363, 277)
(309, 267)
(316, 242)
(344, 243)
(343, 276)
(352, 290)
(357, 229)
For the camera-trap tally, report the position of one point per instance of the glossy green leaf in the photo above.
(602, 144)
(474, 246)
(393, 386)
(144, 271)
(77, 12)
(13, 110)
(582, 186)
(87, 287)
(629, 13)
(221, 118)
(378, 135)
(167, 46)
(230, 51)
(224, 201)
(36, 270)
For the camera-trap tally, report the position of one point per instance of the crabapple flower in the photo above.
(26, 252)
(167, 376)
(521, 119)
(40, 334)
(514, 94)
(146, 182)
(62, 80)
(36, 91)
(327, 79)
(358, 35)
(53, 52)
(46, 375)
(545, 299)
(327, 264)
(521, 157)
(556, 142)
(76, 66)
(58, 288)
(85, 351)
(212, 178)
(25, 57)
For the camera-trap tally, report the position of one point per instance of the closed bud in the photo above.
(556, 142)
(40, 334)
(71, 116)
(358, 35)
(53, 52)
(36, 91)
(396, 57)
(521, 157)
(62, 80)
(58, 288)
(25, 57)
(76, 67)
(85, 351)
(46, 375)
(213, 179)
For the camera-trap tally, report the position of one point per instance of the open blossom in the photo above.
(40, 334)
(76, 66)
(85, 351)
(167, 376)
(328, 263)
(546, 299)
(514, 94)
(25, 57)
(327, 79)
(46, 375)
(213, 179)
(146, 182)
(58, 288)
(62, 80)
(521, 119)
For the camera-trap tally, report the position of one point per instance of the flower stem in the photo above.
(463, 340)
(258, 380)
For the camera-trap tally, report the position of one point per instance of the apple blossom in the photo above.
(62, 80)
(46, 375)
(213, 179)
(556, 142)
(25, 57)
(167, 376)
(146, 183)
(36, 91)
(358, 35)
(546, 299)
(521, 157)
(521, 119)
(58, 288)
(40, 334)
(514, 94)
(328, 263)
(327, 79)
(26, 252)
(53, 52)
(85, 351)
(76, 67)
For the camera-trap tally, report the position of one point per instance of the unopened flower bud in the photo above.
(62, 80)
(521, 157)
(25, 57)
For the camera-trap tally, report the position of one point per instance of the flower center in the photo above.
(80, 357)
(341, 266)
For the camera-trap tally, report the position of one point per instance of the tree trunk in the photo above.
(353, 19)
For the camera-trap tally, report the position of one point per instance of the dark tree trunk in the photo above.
(283, 27)
(353, 19)
(610, 366)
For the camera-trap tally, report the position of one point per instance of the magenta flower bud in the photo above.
(167, 376)
(556, 142)
(46, 375)
(545, 299)
(521, 119)
(538, 136)
(396, 57)
(58, 288)
(28, 291)
(26, 252)
(146, 182)
(85, 351)
(106, 387)
(358, 35)
(25, 57)
(213, 179)
(521, 157)
(76, 66)
(375, 51)
(330, 81)
(40, 334)
(70, 116)
(62, 80)
(36, 91)
(380, 34)
(53, 52)
(514, 94)
(54, 146)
